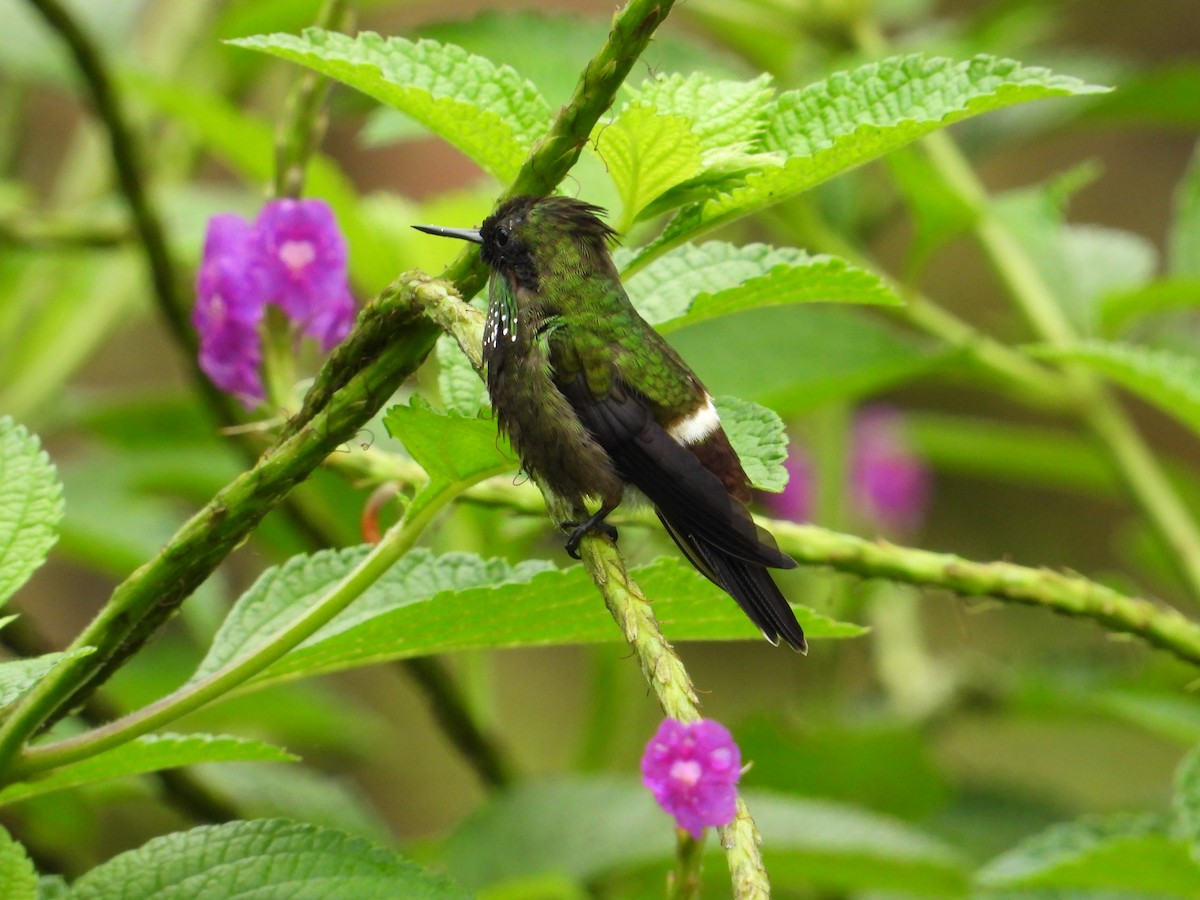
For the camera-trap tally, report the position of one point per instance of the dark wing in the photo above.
(713, 529)
(671, 475)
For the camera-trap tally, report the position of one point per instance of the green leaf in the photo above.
(430, 604)
(938, 212)
(450, 448)
(284, 592)
(1100, 261)
(1186, 801)
(646, 154)
(1120, 308)
(537, 828)
(520, 39)
(489, 112)
(760, 439)
(696, 282)
(1184, 239)
(150, 753)
(260, 858)
(461, 389)
(1166, 379)
(17, 873)
(720, 112)
(296, 792)
(852, 117)
(1080, 263)
(793, 359)
(30, 506)
(18, 675)
(1099, 854)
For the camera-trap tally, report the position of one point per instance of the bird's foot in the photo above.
(579, 529)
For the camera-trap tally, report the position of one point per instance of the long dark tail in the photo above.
(749, 583)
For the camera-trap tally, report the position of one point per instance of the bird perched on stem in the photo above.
(594, 400)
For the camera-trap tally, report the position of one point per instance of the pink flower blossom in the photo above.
(692, 771)
(795, 503)
(890, 483)
(293, 256)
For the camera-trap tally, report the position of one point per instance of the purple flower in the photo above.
(890, 484)
(304, 259)
(691, 770)
(293, 256)
(229, 307)
(795, 503)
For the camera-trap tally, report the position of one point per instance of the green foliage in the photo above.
(794, 360)
(16, 870)
(18, 675)
(30, 506)
(1185, 236)
(429, 604)
(647, 154)
(489, 112)
(760, 439)
(1095, 855)
(1168, 380)
(147, 754)
(259, 857)
(852, 117)
(702, 281)
(538, 830)
(883, 767)
(459, 386)
(450, 448)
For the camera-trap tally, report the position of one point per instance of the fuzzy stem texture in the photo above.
(661, 667)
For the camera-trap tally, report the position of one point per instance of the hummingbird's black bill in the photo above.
(463, 234)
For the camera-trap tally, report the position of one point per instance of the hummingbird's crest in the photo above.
(525, 235)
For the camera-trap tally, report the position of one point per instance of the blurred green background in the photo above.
(1018, 719)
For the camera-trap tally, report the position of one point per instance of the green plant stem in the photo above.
(1070, 595)
(304, 119)
(396, 542)
(1032, 383)
(667, 677)
(661, 667)
(61, 234)
(1066, 594)
(546, 166)
(1144, 477)
(684, 883)
(450, 708)
(141, 603)
(129, 168)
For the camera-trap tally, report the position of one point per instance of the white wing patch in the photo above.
(696, 426)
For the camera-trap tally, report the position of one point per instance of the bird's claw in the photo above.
(578, 530)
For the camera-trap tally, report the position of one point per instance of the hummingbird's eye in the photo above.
(502, 235)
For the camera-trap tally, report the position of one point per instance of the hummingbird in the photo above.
(595, 402)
